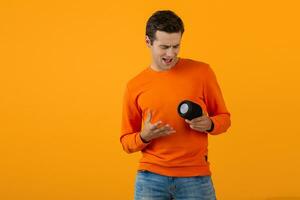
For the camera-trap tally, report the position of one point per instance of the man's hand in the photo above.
(152, 131)
(201, 124)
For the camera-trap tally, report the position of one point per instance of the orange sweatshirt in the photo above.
(183, 153)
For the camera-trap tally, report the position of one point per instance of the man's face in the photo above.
(164, 49)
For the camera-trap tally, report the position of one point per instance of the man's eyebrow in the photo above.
(163, 45)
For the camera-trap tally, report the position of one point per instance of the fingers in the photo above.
(149, 116)
(156, 129)
(155, 132)
(201, 126)
(200, 123)
(164, 130)
(197, 119)
(198, 129)
(155, 125)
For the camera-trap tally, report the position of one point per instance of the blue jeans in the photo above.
(152, 186)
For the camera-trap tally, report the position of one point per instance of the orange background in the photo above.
(63, 69)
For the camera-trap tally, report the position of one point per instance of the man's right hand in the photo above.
(152, 131)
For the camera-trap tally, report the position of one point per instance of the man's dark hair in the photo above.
(163, 20)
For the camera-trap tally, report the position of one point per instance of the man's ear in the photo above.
(148, 41)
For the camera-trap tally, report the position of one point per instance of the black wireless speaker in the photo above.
(189, 110)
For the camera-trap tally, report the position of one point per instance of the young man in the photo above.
(174, 164)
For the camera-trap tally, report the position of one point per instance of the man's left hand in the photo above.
(201, 124)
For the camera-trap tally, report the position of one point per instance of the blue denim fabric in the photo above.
(152, 186)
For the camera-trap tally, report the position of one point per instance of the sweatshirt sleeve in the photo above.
(131, 124)
(216, 107)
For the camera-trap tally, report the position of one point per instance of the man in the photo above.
(174, 164)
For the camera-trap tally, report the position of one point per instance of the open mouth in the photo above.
(167, 60)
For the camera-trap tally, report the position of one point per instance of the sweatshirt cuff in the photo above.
(212, 126)
(214, 130)
(140, 142)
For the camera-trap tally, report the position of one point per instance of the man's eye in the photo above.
(163, 47)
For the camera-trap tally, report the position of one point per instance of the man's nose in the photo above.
(171, 52)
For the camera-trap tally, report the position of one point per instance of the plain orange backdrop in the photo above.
(63, 69)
